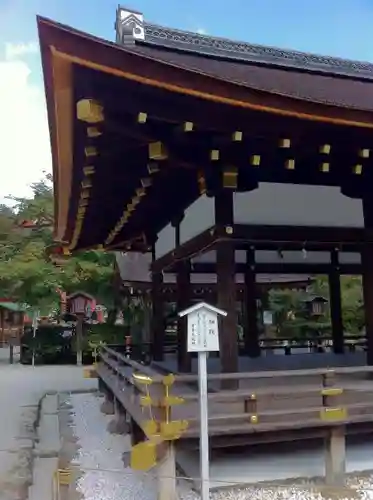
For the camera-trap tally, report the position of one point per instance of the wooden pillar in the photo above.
(367, 276)
(183, 292)
(335, 456)
(158, 327)
(336, 304)
(251, 333)
(166, 472)
(226, 284)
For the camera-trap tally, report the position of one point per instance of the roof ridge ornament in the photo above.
(239, 51)
(129, 25)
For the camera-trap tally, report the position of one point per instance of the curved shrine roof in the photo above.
(244, 52)
(172, 77)
(298, 83)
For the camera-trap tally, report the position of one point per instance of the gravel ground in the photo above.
(21, 389)
(103, 476)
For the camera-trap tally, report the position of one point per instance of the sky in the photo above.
(340, 28)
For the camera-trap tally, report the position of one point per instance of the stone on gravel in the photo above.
(42, 488)
(107, 407)
(49, 405)
(49, 437)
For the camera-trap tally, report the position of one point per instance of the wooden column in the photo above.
(367, 275)
(251, 333)
(335, 456)
(336, 304)
(183, 292)
(158, 327)
(226, 283)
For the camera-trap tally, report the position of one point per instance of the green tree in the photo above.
(292, 319)
(26, 272)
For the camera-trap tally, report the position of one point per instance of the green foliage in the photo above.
(292, 318)
(106, 334)
(27, 274)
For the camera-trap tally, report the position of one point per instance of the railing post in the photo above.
(166, 472)
(335, 456)
(335, 441)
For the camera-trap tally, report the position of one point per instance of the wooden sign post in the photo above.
(203, 337)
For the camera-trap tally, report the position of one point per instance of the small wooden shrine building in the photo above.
(135, 279)
(12, 317)
(238, 158)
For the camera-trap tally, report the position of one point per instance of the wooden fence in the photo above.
(264, 406)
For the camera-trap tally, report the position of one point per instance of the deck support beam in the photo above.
(183, 295)
(158, 327)
(166, 473)
(226, 282)
(184, 360)
(336, 303)
(335, 456)
(251, 333)
(367, 275)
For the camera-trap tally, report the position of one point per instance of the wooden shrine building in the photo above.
(239, 159)
(133, 269)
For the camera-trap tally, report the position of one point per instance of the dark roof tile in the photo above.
(298, 84)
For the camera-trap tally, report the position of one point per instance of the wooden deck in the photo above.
(266, 406)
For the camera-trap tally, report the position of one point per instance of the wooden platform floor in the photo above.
(274, 361)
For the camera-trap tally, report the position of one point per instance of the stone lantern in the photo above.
(79, 303)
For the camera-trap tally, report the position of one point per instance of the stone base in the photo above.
(118, 426)
(126, 459)
(107, 407)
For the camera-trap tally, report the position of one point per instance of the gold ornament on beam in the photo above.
(90, 151)
(135, 200)
(90, 170)
(214, 155)
(140, 192)
(89, 111)
(290, 164)
(157, 151)
(357, 169)
(153, 167)
(364, 153)
(325, 149)
(130, 208)
(255, 160)
(230, 177)
(86, 183)
(237, 136)
(284, 143)
(146, 182)
(93, 132)
(188, 127)
(142, 118)
(325, 167)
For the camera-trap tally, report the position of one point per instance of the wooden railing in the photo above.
(262, 402)
(285, 346)
(265, 407)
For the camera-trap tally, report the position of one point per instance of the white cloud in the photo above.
(24, 138)
(13, 50)
(201, 31)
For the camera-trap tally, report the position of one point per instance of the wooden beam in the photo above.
(337, 236)
(251, 333)
(197, 245)
(367, 275)
(157, 314)
(226, 286)
(336, 304)
(280, 268)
